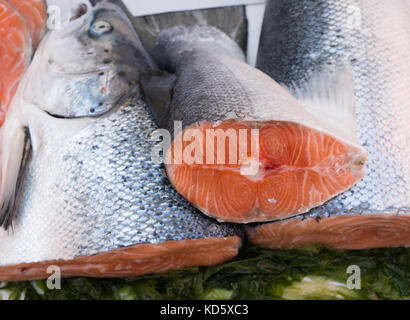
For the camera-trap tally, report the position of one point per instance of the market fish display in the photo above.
(35, 15)
(302, 37)
(87, 197)
(290, 159)
(15, 53)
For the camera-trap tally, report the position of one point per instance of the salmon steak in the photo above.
(243, 149)
(35, 15)
(15, 53)
(375, 212)
(79, 190)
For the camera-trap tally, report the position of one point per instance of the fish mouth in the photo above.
(74, 26)
(81, 10)
(82, 18)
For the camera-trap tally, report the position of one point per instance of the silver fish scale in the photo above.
(206, 89)
(100, 191)
(300, 37)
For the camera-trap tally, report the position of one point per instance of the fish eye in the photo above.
(101, 27)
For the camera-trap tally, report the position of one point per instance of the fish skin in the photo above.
(225, 87)
(183, 50)
(301, 37)
(214, 84)
(91, 186)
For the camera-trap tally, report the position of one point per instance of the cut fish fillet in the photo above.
(298, 168)
(134, 260)
(15, 53)
(307, 151)
(35, 15)
(341, 232)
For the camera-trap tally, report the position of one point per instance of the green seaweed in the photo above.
(317, 272)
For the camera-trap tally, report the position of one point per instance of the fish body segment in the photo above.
(301, 38)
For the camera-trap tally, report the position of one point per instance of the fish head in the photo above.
(88, 66)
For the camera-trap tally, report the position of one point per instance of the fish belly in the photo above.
(132, 261)
(351, 232)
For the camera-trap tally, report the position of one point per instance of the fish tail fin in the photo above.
(329, 95)
(16, 151)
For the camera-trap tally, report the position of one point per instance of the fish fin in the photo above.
(157, 88)
(16, 151)
(329, 95)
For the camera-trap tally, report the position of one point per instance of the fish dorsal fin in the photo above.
(329, 95)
